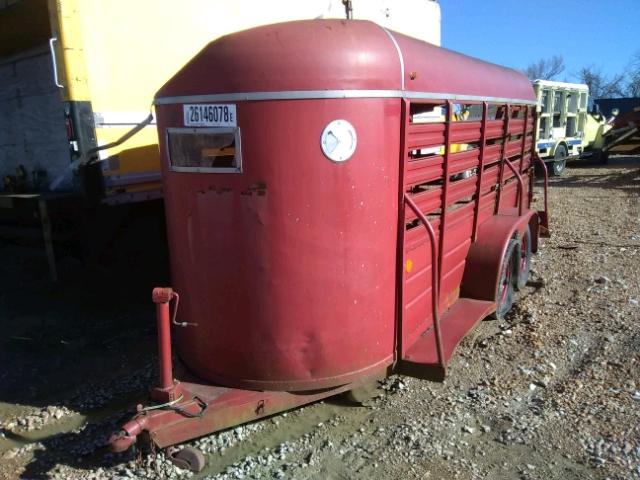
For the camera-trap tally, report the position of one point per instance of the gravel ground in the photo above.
(553, 392)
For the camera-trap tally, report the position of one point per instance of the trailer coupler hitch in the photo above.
(169, 390)
(122, 440)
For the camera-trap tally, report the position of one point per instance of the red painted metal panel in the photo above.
(487, 206)
(455, 258)
(487, 252)
(422, 170)
(285, 266)
(291, 57)
(528, 144)
(425, 135)
(461, 161)
(509, 197)
(418, 281)
(492, 153)
(465, 132)
(514, 147)
(508, 174)
(432, 69)
(461, 189)
(494, 129)
(428, 202)
(490, 178)
(415, 237)
(516, 126)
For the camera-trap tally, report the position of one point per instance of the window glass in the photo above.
(214, 150)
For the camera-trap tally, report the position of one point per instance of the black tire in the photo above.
(524, 259)
(559, 160)
(506, 282)
(189, 458)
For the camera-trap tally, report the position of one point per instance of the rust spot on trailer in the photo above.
(259, 188)
(214, 189)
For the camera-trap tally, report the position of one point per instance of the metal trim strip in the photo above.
(328, 94)
(400, 57)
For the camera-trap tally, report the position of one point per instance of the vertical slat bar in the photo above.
(524, 137)
(520, 185)
(445, 184)
(483, 142)
(405, 113)
(435, 281)
(544, 216)
(533, 153)
(505, 136)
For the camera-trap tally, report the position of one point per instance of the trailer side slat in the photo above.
(422, 170)
(428, 202)
(465, 132)
(425, 135)
(494, 129)
(461, 189)
(462, 161)
(456, 204)
(516, 126)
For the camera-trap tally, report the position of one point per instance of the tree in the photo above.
(600, 85)
(545, 69)
(633, 84)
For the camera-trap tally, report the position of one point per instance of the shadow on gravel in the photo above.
(84, 346)
(84, 450)
(601, 175)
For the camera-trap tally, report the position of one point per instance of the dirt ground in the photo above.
(553, 392)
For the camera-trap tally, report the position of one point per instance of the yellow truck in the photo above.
(77, 75)
(77, 79)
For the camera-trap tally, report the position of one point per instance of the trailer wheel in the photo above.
(559, 160)
(524, 259)
(506, 284)
(188, 458)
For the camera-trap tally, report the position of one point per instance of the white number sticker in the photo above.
(209, 115)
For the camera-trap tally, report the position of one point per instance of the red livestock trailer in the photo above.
(342, 202)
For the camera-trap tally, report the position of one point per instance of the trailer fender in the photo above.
(482, 269)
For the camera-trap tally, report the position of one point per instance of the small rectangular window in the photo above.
(205, 150)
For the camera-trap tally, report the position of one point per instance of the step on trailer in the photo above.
(332, 218)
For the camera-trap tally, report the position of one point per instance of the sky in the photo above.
(514, 33)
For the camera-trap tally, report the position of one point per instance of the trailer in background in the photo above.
(561, 121)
